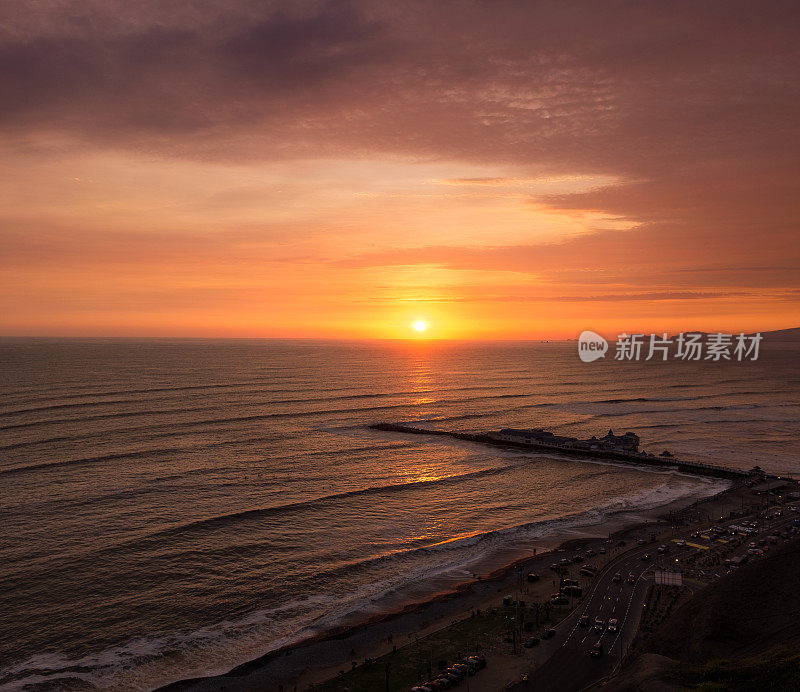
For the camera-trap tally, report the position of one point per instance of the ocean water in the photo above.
(174, 508)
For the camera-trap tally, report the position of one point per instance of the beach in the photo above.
(308, 663)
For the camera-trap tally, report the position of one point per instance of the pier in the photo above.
(500, 439)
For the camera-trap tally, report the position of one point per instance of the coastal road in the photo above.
(571, 667)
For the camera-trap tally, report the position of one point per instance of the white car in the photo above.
(681, 543)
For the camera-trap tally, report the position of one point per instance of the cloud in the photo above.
(679, 120)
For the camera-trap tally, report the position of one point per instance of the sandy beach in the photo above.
(321, 658)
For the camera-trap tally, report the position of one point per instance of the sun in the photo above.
(420, 325)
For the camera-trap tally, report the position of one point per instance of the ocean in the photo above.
(172, 508)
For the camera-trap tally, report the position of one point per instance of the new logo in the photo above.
(591, 346)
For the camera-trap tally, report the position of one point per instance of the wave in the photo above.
(730, 407)
(211, 523)
(147, 662)
(266, 402)
(87, 460)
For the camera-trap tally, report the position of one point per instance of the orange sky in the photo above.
(339, 169)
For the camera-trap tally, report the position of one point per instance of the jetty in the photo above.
(618, 448)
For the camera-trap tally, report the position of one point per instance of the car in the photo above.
(752, 545)
(602, 551)
(620, 543)
(471, 666)
(613, 625)
(591, 567)
(773, 540)
(662, 549)
(631, 579)
(583, 621)
(532, 576)
(599, 624)
(590, 553)
(597, 650)
(548, 633)
(645, 557)
(457, 674)
(564, 562)
(617, 577)
(559, 599)
(680, 543)
(569, 582)
(577, 558)
(434, 685)
(530, 642)
(480, 659)
(555, 567)
(641, 541)
(574, 591)
(587, 572)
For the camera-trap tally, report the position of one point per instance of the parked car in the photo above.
(662, 549)
(631, 579)
(680, 543)
(532, 576)
(617, 577)
(530, 642)
(597, 650)
(577, 558)
(548, 633)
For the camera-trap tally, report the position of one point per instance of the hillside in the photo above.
(742, 633)
(791, 335)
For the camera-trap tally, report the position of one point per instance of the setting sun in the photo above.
(420, 325)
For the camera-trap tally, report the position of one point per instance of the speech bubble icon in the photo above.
(591, 346)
